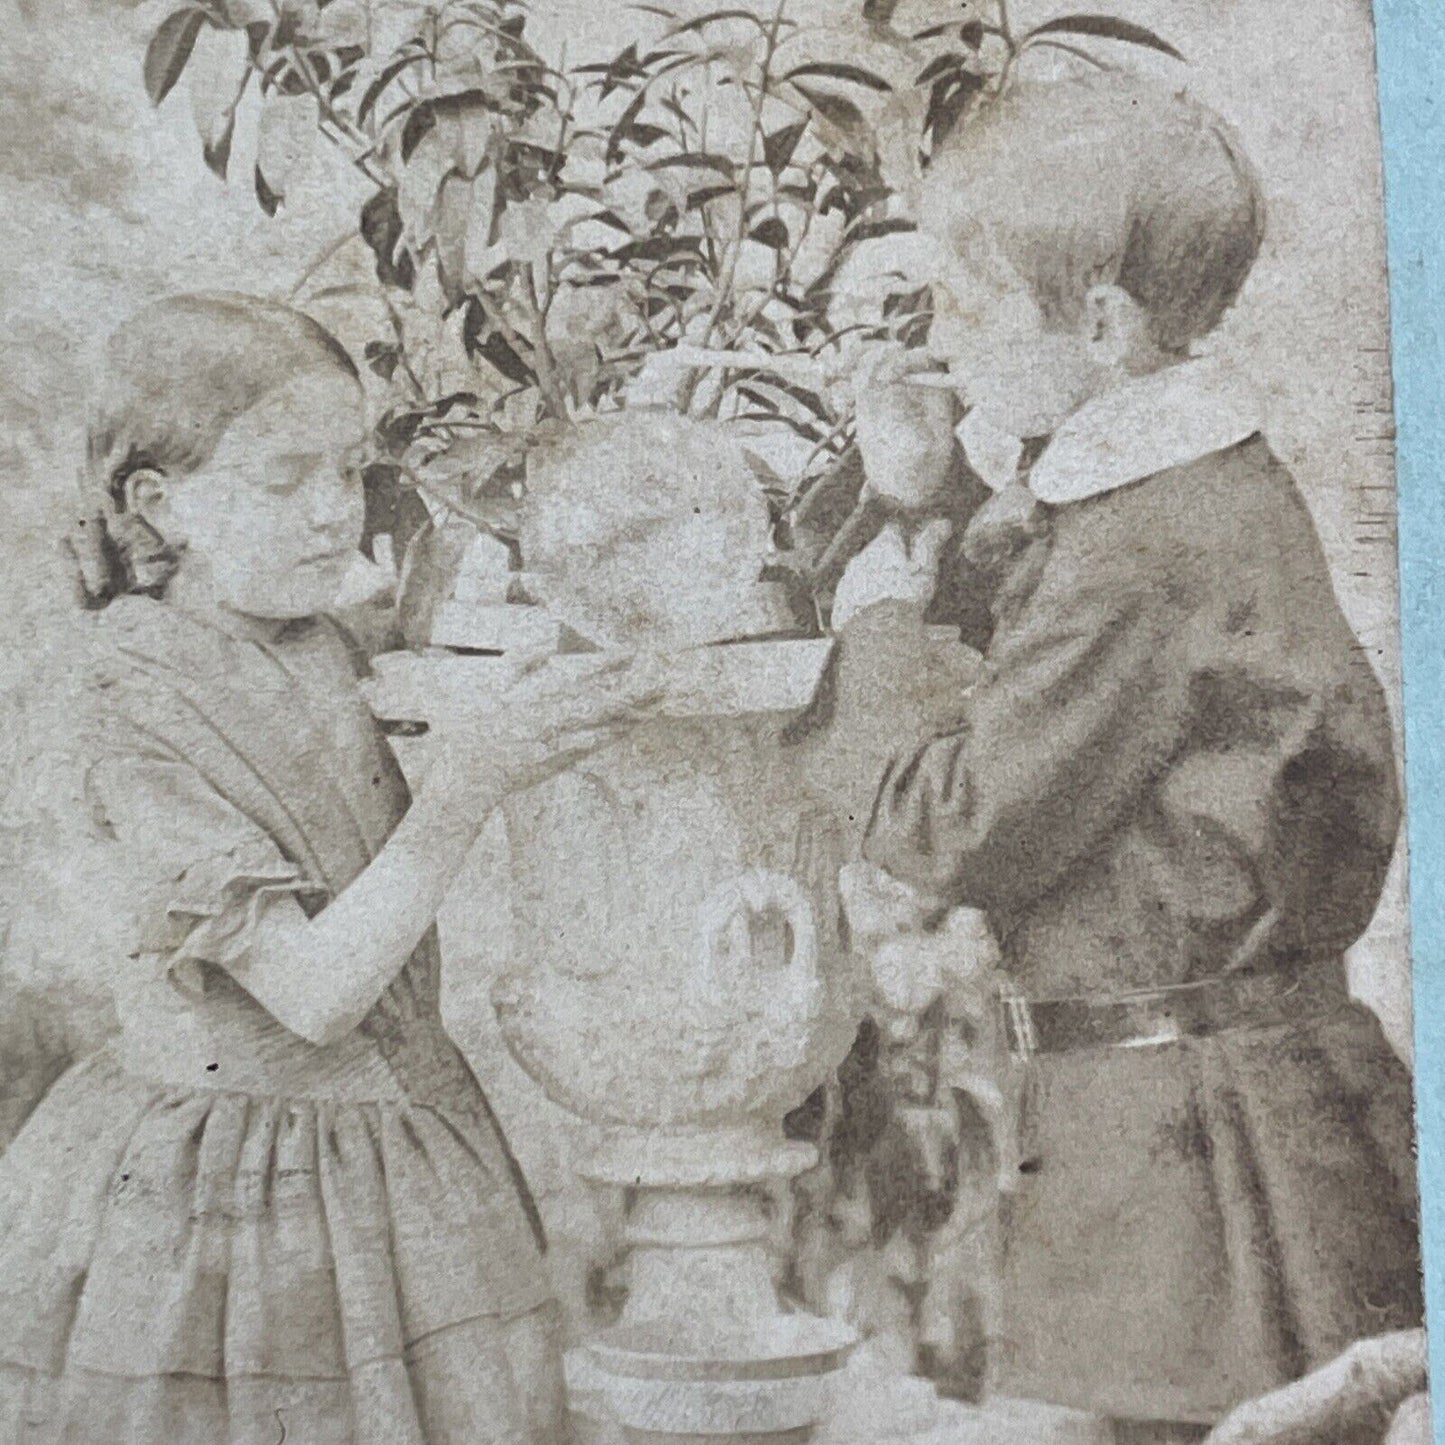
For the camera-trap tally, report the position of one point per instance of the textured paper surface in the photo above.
(111, 205)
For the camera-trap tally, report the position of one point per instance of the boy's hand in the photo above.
(957, 959)
(905, 433)
(892, 569)
(879, 906)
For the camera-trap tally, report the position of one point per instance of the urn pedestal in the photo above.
(679, 984)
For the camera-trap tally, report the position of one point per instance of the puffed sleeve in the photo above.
(198, 872)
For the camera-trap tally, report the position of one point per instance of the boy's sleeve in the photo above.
(890, 685)
(1081, 701)
(961, 599)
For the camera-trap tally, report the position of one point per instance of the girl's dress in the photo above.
(214, 1231)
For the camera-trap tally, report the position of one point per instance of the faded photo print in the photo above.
(701, 717)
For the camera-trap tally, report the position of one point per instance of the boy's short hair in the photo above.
(1104, 179)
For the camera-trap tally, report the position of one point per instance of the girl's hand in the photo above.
(891, 569)
(905, 433)
(550, 720)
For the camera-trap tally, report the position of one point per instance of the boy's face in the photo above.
(1024, 374)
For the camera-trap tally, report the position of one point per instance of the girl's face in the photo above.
(273, 520)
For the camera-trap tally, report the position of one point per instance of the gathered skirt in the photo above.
(205, 1267)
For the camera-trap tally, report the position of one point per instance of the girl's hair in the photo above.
(175, 377)
(1105, 179)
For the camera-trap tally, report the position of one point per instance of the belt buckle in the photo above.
(1154, 1018)
(1018, 1024)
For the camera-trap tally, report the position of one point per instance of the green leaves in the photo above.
(540, 238)
(287, 138)
(269, 200)
(217, 153)
(218, 75)
(958, 80)
(706, 160)
(879, 13)
(949, 99)
(835, 108)
(701, 22)
(624, 124)
(778, 147)
(874, 230)
(943, 66)
(381, 229)
(611, 74)
(382, 358)
(657, 248)
(169, 50)
(389, 73)
(772, 232)
(706, 195)
(484, 340)
(393, 508)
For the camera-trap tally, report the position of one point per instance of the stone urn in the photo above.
(680, 976)
(680, 980)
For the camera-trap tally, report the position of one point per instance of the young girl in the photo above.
(277, 1206)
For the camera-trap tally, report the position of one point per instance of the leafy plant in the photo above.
(545, 238)
(964, 74)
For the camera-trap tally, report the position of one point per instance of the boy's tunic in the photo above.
(1177, 766)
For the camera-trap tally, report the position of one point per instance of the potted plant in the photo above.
(542, 241)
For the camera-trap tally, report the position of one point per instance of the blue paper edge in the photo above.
(1410, 43)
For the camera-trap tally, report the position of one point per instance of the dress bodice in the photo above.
(226, 773)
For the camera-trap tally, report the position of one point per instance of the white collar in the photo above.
(1145, 426)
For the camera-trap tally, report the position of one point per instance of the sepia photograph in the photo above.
(703, 732)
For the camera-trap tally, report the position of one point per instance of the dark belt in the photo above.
(1139, 1019)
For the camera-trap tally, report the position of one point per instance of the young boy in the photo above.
(1172, 790)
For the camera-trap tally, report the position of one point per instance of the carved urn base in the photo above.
(704, 1352)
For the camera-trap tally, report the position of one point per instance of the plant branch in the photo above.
(348, 136)
(520, 46)
(447, 498)
(538, 306)
(725, 284)
(542, 365)
(331, 250)
(1004, 28)
(784, 273)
